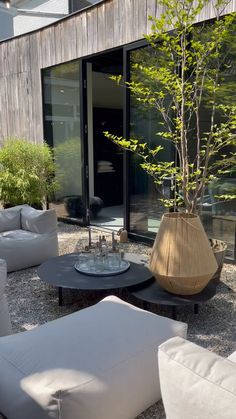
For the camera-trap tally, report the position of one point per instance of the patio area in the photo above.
(33, 302)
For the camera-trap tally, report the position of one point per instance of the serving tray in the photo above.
(124, 266)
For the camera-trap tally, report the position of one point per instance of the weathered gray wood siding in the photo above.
(106, 25)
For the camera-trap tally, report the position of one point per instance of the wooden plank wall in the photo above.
(107, 25)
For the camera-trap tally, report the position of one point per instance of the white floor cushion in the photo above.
(98, 363)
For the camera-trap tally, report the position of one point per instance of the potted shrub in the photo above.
(185, 76)
(26, 173)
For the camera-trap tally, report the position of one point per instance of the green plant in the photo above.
(26, 172)
(184, 77)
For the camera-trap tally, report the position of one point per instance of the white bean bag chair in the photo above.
(28, 236)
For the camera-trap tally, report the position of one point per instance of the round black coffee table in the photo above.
(151, 292)
(60, 272)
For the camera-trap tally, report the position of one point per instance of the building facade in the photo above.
(56, 86)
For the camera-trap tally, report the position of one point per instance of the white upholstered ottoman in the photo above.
(98, 363)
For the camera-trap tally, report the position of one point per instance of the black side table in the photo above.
(152, 293)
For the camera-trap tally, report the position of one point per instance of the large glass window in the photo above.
(219, 216)
(62, 131)
(145, 205)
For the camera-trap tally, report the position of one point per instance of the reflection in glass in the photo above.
(219, 217)
(62, 129)
(145, 206)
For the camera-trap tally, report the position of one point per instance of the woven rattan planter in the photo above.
(219, 248)
(182, 260)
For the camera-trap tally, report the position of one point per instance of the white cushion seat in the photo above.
(98, 363)
(28, 236)
(196, 383)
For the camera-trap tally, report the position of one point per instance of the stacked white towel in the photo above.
(104, 166)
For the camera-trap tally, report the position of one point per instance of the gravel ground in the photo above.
(33, 302)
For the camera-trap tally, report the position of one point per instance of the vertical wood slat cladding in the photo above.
(151, 11)
(3, 109)
(101, 26)
(78, 33)
(107, 25)
(134, 10)
(128, 20)
(36, 128)
(117, 28)
(68, 39)
(142, 16)
(92, 30)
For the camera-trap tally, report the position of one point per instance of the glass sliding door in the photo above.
(145, 208)
(62, 121)
(219, 216)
